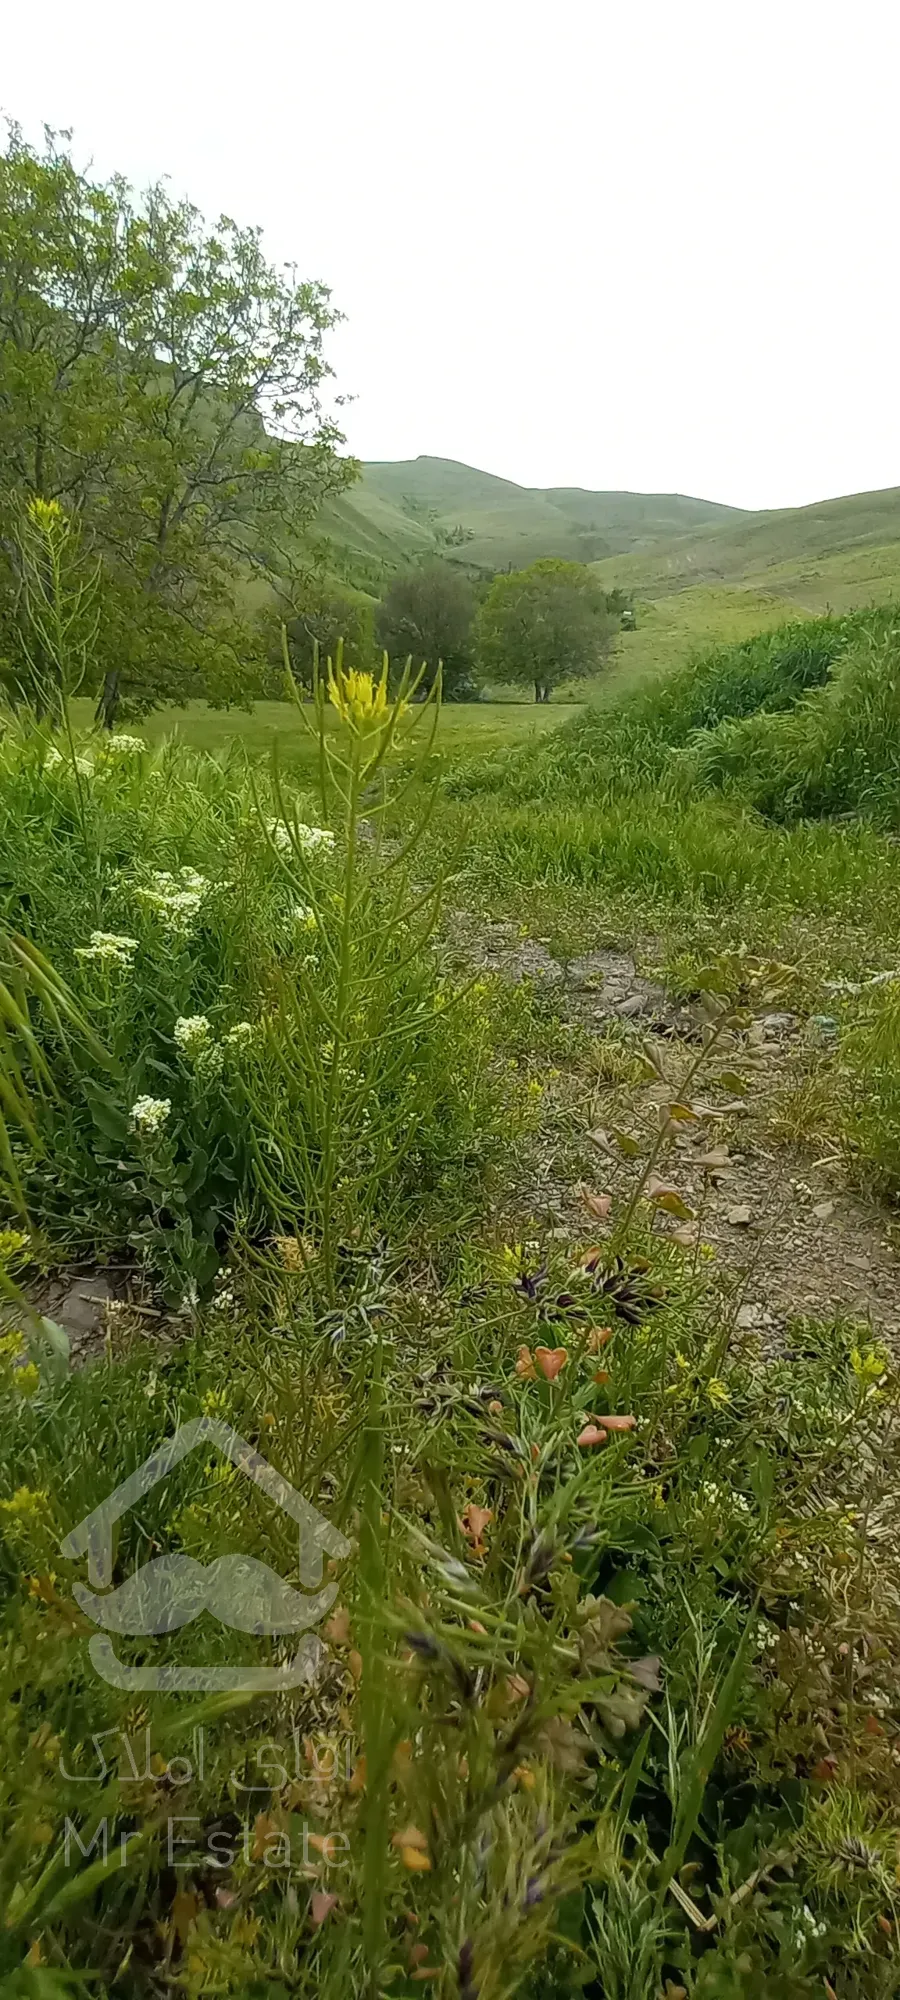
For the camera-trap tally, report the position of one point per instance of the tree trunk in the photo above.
(108, 705)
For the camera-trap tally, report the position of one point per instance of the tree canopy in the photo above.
(163, 383)
(428, 612)
(544, 625)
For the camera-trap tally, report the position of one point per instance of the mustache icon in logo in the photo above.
(235, 1589)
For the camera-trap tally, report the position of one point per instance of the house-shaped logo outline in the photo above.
(317, 1538)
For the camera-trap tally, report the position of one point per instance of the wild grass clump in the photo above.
(622, 747)
(274, 1040)
(837, 751)
(612, 1662)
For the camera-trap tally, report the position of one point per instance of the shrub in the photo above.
(625, 746)
(283, 1046)
(836, 751)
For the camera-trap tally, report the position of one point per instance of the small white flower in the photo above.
(306, 838)
(311, 837)
(192, 1033)
(175, 898)
(149, 1114)
(124, 746)
(303, 918)
(106, 948)
(241, 1036)
(53, 759)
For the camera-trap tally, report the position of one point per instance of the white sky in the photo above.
(606, 243)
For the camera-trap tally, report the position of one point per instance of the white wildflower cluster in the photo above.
(106, 948)
(309, 839)
(303, 918)
(55, 761)
(766, 1636)
(194, 1037)
(723, 1499)
(124, 746)
(807, 1925)
(241, 1036)
(149, 1114)
(176, 898)
(192, 1034)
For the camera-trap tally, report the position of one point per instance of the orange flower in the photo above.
(338, 1627)
(525, 1365)
(321, 1904)
(473, 1522)
(592, 1434)
(411, 1836)
(517, 1687)
(617, 1423)
(601, 1375)
(415, 1860)
(598, 1337)
(551, 1360)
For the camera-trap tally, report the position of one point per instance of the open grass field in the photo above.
(463, 727)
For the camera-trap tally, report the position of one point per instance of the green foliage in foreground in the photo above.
(611, 1700)
(836, 751)
(600, 1718)
(228, 955)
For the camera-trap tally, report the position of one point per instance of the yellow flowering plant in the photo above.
(345, 1042)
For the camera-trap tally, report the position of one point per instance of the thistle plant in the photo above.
(357, 996)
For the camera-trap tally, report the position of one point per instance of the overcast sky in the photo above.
(606, 243)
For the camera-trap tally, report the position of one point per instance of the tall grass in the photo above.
(837, 751)
(282, 1048)
(625, 745)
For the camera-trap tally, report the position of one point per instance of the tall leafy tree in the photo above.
(544, 625)
(428, 612)
(163, 383)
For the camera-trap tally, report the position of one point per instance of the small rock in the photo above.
(779, 1024)
(749, 1316)
(82, 1307)
(740, 1215)
(823, 1211)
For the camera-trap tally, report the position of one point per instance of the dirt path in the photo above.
(791, 1229)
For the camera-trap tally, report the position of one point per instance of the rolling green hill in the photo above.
(701, 573)
(488, 522)
(787, 538)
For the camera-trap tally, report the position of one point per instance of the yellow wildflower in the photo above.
(12, 1243)
(360, 700)
(44, 513)
(27, 1379)
(718, 1392)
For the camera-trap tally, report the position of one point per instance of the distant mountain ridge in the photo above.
(498, 522)
(841, 552)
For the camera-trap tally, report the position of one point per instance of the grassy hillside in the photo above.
(788, 538)
(504, 523)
